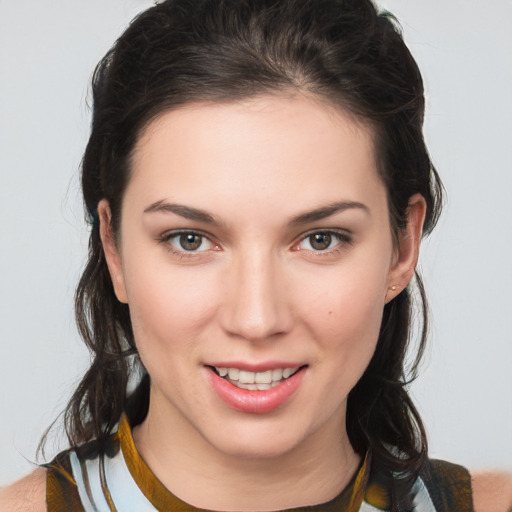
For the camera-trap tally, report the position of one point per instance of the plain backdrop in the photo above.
(48, 49)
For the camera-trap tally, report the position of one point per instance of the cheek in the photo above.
(348, 303)
(168, 305)
(345, 320)
(170, 312)
(347, 329)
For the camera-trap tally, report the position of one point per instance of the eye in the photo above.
(320, 241)
(323, 241)
(188, 242)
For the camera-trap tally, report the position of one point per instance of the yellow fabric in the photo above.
(61, 489)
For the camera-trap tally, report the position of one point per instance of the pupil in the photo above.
(320, 241)
(190, 242)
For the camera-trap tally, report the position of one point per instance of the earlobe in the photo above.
(111, 251)
(409, 240)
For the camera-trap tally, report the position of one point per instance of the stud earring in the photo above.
(392, 288)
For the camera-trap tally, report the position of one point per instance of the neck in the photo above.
(313, 472)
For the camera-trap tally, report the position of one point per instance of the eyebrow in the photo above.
(327, 211)
(199, 215)
(183, 211)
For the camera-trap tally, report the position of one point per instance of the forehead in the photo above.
(290, 150)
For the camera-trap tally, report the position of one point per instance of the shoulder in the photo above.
(492, 491)
(448, 485)
(453, 487)
(25, 495)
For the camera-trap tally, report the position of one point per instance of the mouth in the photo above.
(255, 381)
(255, 392)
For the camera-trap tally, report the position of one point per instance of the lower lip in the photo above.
(256, 401)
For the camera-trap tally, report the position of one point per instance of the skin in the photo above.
(255, 291)
(26, 495)
(258, 291)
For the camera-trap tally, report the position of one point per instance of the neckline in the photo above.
(348, 500)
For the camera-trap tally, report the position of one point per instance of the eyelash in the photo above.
(342, 238)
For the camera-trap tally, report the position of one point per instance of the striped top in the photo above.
(83, 480)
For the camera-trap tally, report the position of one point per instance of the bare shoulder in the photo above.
(25, 495)
(492, 491)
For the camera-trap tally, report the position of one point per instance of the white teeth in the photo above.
(233, 373)
(256, 380)
(263, 377)
(252, 387)
(277, 374)
(246, 377)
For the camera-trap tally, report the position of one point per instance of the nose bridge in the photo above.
(257, 307)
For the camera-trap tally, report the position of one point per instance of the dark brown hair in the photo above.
(182, 51)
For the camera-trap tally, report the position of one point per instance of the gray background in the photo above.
(48, 49)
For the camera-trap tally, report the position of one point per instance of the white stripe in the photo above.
(98, 503)
(125, 492)
(422, 500)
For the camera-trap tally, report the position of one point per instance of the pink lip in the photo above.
(256, 402)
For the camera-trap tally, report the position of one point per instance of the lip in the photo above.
(255, 367)
(255, 401)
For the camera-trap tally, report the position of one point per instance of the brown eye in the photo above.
(190, 241)
(327, 242)
(320, 241)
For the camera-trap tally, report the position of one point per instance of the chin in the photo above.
(249, 442)
(256, 450)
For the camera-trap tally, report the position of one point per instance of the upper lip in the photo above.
(256, 367)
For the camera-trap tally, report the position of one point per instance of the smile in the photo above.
(260, 381)
(255, 392)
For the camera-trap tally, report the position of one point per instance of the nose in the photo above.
(257, 305)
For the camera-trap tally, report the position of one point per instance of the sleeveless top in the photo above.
(84, 480)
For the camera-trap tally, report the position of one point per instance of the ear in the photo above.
(112, 255)
(407, 252)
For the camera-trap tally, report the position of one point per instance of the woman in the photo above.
(258, 187)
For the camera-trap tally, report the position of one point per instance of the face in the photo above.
(256, 256)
